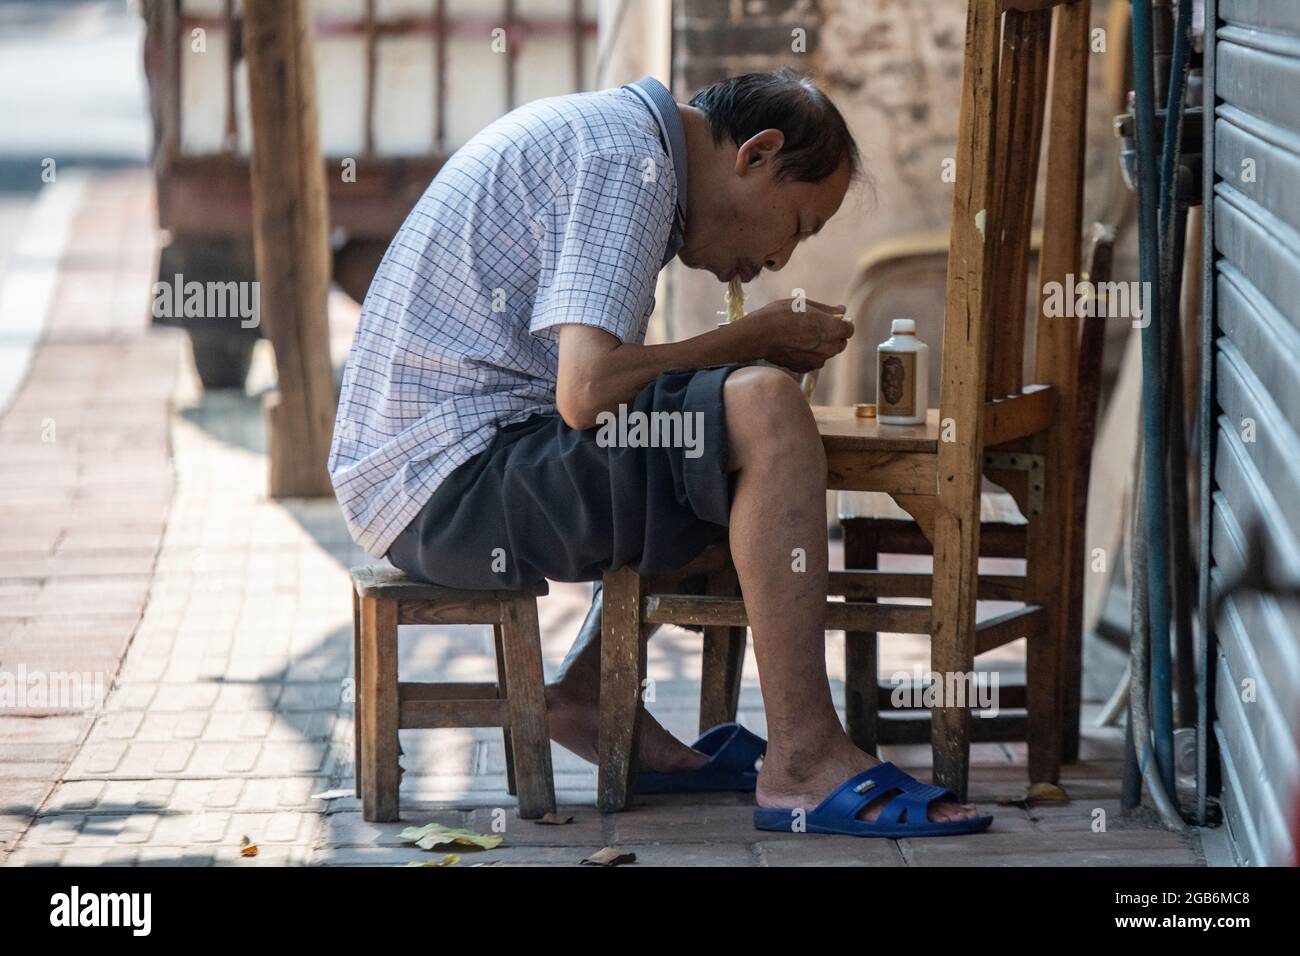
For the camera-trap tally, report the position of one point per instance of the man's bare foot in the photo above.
(780, 788)
(574, 725)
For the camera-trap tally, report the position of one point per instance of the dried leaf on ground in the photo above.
(610, 856)
(1049, 793)
(553, 820)
(451, 859)
(247, 847)
(433, 835)
(1038, 795)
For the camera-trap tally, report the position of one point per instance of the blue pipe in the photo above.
(1173, 220)
(1174, 125)
(1153, 424)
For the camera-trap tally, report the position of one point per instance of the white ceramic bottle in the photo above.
(902, 376)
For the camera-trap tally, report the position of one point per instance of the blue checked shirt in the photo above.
(561, 212)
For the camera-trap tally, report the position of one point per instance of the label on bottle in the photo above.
(897, 373)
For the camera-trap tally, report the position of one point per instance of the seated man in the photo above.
(505, 321)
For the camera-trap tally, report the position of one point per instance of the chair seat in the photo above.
(382, 581)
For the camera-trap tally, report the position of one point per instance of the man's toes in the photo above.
(950, 810)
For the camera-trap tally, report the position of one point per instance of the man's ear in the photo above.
(759, 151)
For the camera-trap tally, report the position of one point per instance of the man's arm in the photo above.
(598, 373)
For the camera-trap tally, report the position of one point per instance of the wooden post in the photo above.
(622, 668)
(1050, 545)
(291, 241)
(961, 394)
(379, 773)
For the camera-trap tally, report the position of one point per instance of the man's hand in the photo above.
(800, 340)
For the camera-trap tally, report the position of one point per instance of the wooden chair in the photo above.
(873, 525)
(935, 471)
(382, 599)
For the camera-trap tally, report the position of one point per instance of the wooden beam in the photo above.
(855, 584)
(1018, 416)
(861, 648)
(1022, 89)
(432, 714)
(466, 690)
(1010, 696)
(1027, 621)
(525, 708)
(451, 612)
(901, 536)
(291, 239)
(1029, 6)
(913, 728)
(840, 615)
(921, 508)
(379, 772)
(894, 473)
(723, 661)
(961, 396)
(211, 195)
(1092, 345)
(1050, 543)
(622, 668)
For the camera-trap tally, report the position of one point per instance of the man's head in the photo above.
(774, 166)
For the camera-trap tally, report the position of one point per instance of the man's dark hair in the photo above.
(817, 140)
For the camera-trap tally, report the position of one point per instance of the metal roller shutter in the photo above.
(1254, 226)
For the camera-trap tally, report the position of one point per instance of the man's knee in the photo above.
(763, 389)
(766, 409)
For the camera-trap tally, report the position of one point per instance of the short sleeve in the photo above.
(608, 231)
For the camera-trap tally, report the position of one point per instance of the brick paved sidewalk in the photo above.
(85, 485)
(230, 713)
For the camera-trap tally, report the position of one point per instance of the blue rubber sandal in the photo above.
(905, 815)
(733, 751)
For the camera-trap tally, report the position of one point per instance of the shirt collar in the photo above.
(660, 102)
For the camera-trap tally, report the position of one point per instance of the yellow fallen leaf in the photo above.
(433, 835)
(451, 859)
(1047, 793)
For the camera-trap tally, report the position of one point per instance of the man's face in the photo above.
(749, 220)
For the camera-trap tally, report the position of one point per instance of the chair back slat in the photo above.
(1022, 98)
(1024, 79)
(1056, 340)
(966, 298)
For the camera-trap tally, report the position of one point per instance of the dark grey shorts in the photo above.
(546, 501)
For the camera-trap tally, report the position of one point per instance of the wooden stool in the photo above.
(383, 598)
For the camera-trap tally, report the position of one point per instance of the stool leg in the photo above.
(356, 691)
(377, 695)
(861, 650)
(622, 667)
(503, 691)
(521, 641)
(952, 647)
(724, 660)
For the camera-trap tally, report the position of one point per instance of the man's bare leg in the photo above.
(778, 524)
(571, 713)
